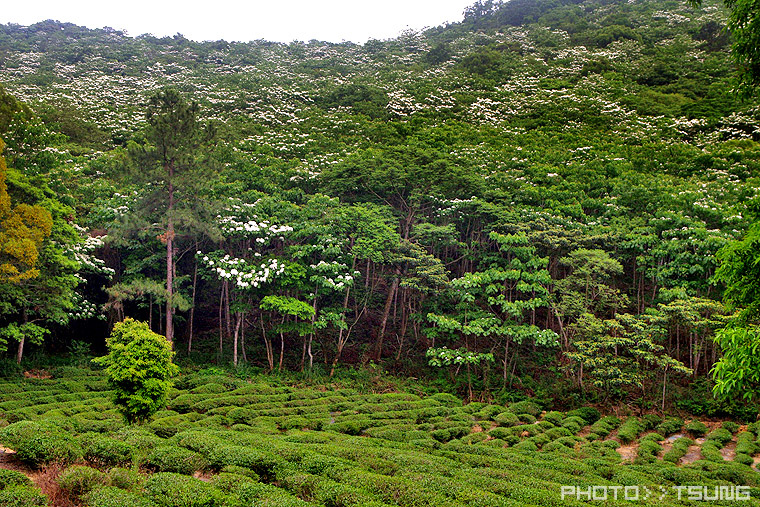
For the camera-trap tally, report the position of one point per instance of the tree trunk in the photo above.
(238, 322)
(192, 308)
(386, 314)
(170, 260)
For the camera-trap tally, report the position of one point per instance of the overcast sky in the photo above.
(283, 21)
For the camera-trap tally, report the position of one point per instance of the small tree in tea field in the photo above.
(139, 368)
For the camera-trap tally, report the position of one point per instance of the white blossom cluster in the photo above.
(243, 272)
(333, 275)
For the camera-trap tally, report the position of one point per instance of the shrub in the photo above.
(139, 366)
(679, 449)
(22, 496)
(46, 448)
(506, 419)
(124, 478)
(526, 418)
(554, 417)
(106, 452)
(170, 458)
(670, 425)
(13, 478)
(110, 496)
(78, 480)
(525, 407)
(630, 429)
(573, 423)
(730, 426)
(589, 414)
(721, 436)
(696, 428)
(175, 490)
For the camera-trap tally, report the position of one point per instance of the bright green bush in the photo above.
(176, 490)
(554, 417)
(573, 423)
(124, 478)
(730, 426)
(78, 480)
(678, 450)
(630, 429)
(46, 448)
(696, 428)
(23, 496)
(114, 497)
(106, 452)
(670, 425)
(139, 366)
(13, 478)
(171, 458)
(589, 414)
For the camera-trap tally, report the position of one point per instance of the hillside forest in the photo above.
(551, 199)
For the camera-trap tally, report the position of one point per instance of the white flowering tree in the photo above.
(245, 266)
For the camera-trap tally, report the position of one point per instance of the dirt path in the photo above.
(694, 453)
(628, 452)
(729, 451)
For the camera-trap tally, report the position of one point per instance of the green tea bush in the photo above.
(253, 493)
(106, 452)
(139, 366)
(605, 426)
(78, 480)
(110, 496)
(489, 411)
(720, 435)
(589, 414)
(525, 407)
(171, 458)
(264, 463)
(630, 429)
(730, 426)
(573, 423)
(711, 451)
(13, 478)
(651, 421)
(23, 496)
(446, 399)
(240, 415)
(678, 450)
(670, 425)
(554, 417)
(169, 426)
(527, 418)
(125, 478)
(46, 448)
(746, 444)
(696, 429)
(649, 448)
(176, 490)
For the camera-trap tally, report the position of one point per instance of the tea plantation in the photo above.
(228, 442)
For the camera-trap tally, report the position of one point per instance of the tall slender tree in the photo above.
(169, 162)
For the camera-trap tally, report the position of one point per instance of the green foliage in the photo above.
(139, 366)
(169, 458)
(79, 480)
(23, 496)
(696, 428)
(110, 496)
(175, 490)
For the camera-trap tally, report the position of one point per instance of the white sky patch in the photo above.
(285, 21)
